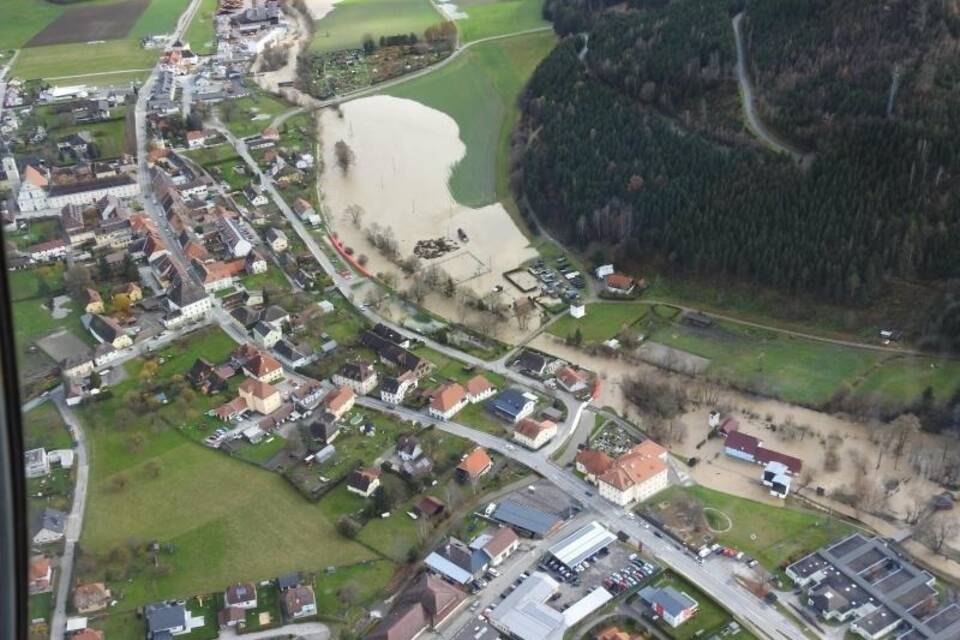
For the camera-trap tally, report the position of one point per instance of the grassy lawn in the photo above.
(108, 136)
(219, 534)
(74, 58)
(39, 230)
(772, 535)
(903, 380)
(496, 17)
(793, 369)
(367, 580)
(479, 90)
(43, 427)
(273, 277)
(341, 502)
(160, 17)
(351, 20)
(251, 115)
(393, 536)
(32, 321)
(450, 369)
(263, 452)
(201, 34)
(603, 321)
(40, 606)
(355, 449)
(477, 416)
(212, 155)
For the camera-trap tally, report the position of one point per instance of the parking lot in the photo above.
(618, 568)
(559, 281)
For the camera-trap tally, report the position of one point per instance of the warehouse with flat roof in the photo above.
(582, 544)
(526, 519)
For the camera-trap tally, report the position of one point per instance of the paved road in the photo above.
(714, 576)
(754, 121)
(151, 206)
(305, 630)
(74, 520)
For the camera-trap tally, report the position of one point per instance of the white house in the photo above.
(234, 238)
(447, 401)
(394, 390)
(363, 482)
(37, 463)
(534, 434)
(578, 310)
(359, 376)
(479, 389)
(277, 239)
(50, 526)
(255, 195)
(266, 335)
(636, 475)
(603, 271)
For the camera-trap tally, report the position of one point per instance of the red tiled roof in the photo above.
(503, 538)
(338, 397)
(532, 428)
(619, 281)
(595, 462)
(262, 364)
(476, 462)
(477, 385)
(258, 389)
(447, 397)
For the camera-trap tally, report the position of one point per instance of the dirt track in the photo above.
(90, 23)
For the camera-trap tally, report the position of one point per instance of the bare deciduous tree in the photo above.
(344, 155)
(355, 213)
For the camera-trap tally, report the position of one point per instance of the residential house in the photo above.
(266, 335)
(165, 619)
(457, 562)
(531, 363)
(614, 633)
(277, 239)
(196, 139)
(325, 428)
(263, 367)
(87, 634)
(37, 463)
(512, 405)
(428, 507)
(207, 378)
(394, 389)
(592, 463)
(109, 331)
(479, 389)
(47, 251)
(408, 448)
(299, 602)
(187, 302)
(447, 401)
(777, 477)
(427, 604)
(742, 446)
(339, 401)
(92, 301)
(359, 376)
(49, 526)
(637, 475)
(233, 237)
(256, 263)
(254, 193)
(391, 353)
(295, 355)
(41, 574)
(90, 597)
(231, 410)
(131, 289)
(260, 396)
(619, 284)
(275, 315)
(497, 544)
(306, 211)
(533, 434)
(363, 482)
(571, 380)
(242, 595)
(474, 465)
(288, 580)
(77, 366)
(674, 607)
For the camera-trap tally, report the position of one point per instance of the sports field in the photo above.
(351, 20)
(83, 39)
(479, 90)
(487, 18)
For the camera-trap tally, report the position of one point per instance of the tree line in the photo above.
(597, 162)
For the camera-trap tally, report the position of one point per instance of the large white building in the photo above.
(36, 193)
(633, 477)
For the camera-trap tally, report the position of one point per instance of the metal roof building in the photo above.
(524, 613)
(525, 518)
(581, 544)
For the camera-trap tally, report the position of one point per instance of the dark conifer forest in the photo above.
(638, 143)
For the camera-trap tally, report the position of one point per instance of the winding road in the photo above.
(756, 125)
